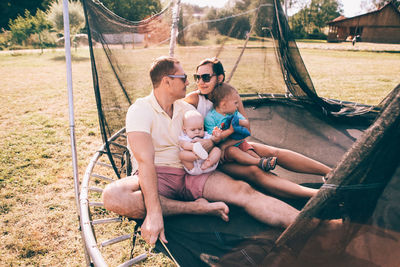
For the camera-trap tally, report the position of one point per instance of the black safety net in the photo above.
(262, 61)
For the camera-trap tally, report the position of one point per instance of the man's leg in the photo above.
(269, 210)
(272, 183)
(125, 198)
(292, 160)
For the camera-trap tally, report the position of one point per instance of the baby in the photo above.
(194, 158)
(225, 119)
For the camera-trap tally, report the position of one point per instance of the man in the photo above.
(153, 125)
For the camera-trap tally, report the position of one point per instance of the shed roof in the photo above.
(342, 18)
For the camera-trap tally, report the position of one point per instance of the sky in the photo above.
(351, 7)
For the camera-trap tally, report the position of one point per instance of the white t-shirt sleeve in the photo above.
(139, 117)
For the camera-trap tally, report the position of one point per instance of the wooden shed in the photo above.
(379, 26)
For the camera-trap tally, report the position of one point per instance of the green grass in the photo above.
(37, 207)
(358, 76)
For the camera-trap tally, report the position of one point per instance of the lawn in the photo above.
(37, 207)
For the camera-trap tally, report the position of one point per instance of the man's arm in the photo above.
(143, 150)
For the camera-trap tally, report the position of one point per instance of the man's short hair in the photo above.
(161, 67)
(217, 66)
(220, 92)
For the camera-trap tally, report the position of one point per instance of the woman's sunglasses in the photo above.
(183, 77)
(205, 77)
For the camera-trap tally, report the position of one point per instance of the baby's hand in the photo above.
(216, 131)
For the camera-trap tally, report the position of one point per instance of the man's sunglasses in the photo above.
(183, 77)
(205, 77)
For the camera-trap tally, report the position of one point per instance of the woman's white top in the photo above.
(204, 105)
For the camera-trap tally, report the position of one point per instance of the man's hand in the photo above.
(153, 228)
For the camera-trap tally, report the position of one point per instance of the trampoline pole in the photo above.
(174, 27)
(67, 43)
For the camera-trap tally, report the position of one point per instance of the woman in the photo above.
(210, 73)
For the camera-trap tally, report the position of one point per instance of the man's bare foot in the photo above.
(219, 209)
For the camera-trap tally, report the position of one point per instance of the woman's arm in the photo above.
(192, 98)
(241, 108)
(245, 123)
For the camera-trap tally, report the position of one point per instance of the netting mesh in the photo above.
(363, 191)
(255, 45)
(260, 57)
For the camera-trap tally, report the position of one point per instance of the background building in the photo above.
(379, 26)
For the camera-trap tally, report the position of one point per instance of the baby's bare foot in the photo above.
(219, 209)
(206, 164)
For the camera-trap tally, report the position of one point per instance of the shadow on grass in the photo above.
(74, 58)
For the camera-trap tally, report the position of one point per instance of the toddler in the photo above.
(225, 120)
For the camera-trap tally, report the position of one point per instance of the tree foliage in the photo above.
(235, 27)
(76, 16)
(311, 19)
(376, 4)
(133, 10)
(23, 27)
(11, 9)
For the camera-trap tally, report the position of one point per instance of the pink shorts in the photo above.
(175, 183)
(245, 146)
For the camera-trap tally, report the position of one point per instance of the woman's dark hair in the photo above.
(217, 67)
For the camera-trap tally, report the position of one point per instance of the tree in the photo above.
(236, 27)
(11, 9)
(76, 16)
(376, 4)
(134, 10)
(23, 27)
(312, 18)
(323, 11)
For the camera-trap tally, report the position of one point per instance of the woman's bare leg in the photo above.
(268, 181)
(291, 160)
